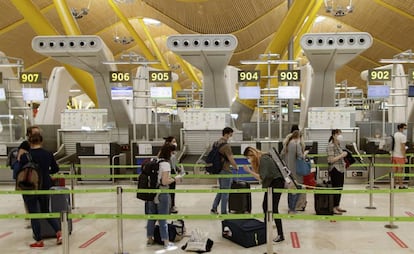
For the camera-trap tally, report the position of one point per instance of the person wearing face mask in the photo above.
(336, 166)
(173, 161)
(265, 170)
(228, 159)
(398, 154)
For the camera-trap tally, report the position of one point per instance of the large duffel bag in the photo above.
(245, 232)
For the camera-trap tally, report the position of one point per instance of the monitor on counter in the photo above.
(288, 92)
(121, 93)
(378, 91)
(249, 92)
(33, 94)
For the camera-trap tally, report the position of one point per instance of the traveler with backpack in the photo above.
(162, 201)
(46, 165)
(174, 170)
(398, 154)
(264, 169)
(226, 157)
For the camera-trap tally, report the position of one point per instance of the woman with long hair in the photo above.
(265, 170)
(336, 166)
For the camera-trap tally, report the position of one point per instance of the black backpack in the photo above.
(176, 232)
(28, 177)
(392, 143)
(148, 179)
(215, 160)
(12, 157)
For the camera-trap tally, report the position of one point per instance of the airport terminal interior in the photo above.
(107, 80)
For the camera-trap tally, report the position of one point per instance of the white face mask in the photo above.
(340, 137)
(174, 144)
(405, 132)
(249, 160)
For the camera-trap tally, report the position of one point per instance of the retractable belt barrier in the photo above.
(119, 216)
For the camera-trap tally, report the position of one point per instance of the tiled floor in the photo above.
(302, 236)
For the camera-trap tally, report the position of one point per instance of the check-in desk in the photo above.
(265, 145)
(6, 174)
(92, 154)
(143, 150)
(375, 147)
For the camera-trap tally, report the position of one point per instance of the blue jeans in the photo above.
(39, 204)
(292, 200)
(163, 207)
(224, 183)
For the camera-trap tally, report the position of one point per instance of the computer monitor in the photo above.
(378, 91)
(249, 92)
(2, 94)
(33, 94)
(288, 92)
(411, 91)
(122, 93)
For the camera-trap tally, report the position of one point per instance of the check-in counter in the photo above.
(6, 174)
(92, 154)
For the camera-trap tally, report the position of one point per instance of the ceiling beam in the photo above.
(394, 9)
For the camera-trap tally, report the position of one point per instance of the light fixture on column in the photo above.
(123, 39)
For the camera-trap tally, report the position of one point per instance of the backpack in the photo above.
(28, 177)
(392, 143)
(12, 161)
(176, 232)
(148, 179)
(215, 160)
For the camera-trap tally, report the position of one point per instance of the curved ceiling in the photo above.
(253, 22)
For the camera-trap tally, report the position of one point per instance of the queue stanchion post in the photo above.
(371, 186)
(65, 231)
(119, 221)
(391, 224)
(72, 185)
(269, 221)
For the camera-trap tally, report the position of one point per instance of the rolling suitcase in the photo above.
(240, 202)
(57, 203)
(245, 232)
(324, 202)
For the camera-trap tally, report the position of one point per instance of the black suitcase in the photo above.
(240, 202)
(247, 233)
(324, 202)
(57, 203)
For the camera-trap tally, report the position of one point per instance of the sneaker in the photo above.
(170, 246)
(38, 244)
(150, 242)
(173, 210)
(292, 212)
(213, 211)
(59, 237)
(336, 211)
(279, 239)
(402, 187)
(341, 210)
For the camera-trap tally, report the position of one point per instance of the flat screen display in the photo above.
(2, 94)
(378, 91)
(288, 92)
(410, 91)
(121, 93)
(33, 94)
(161, 92)
(249, 92)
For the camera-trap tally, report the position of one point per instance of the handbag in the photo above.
(303, 166)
